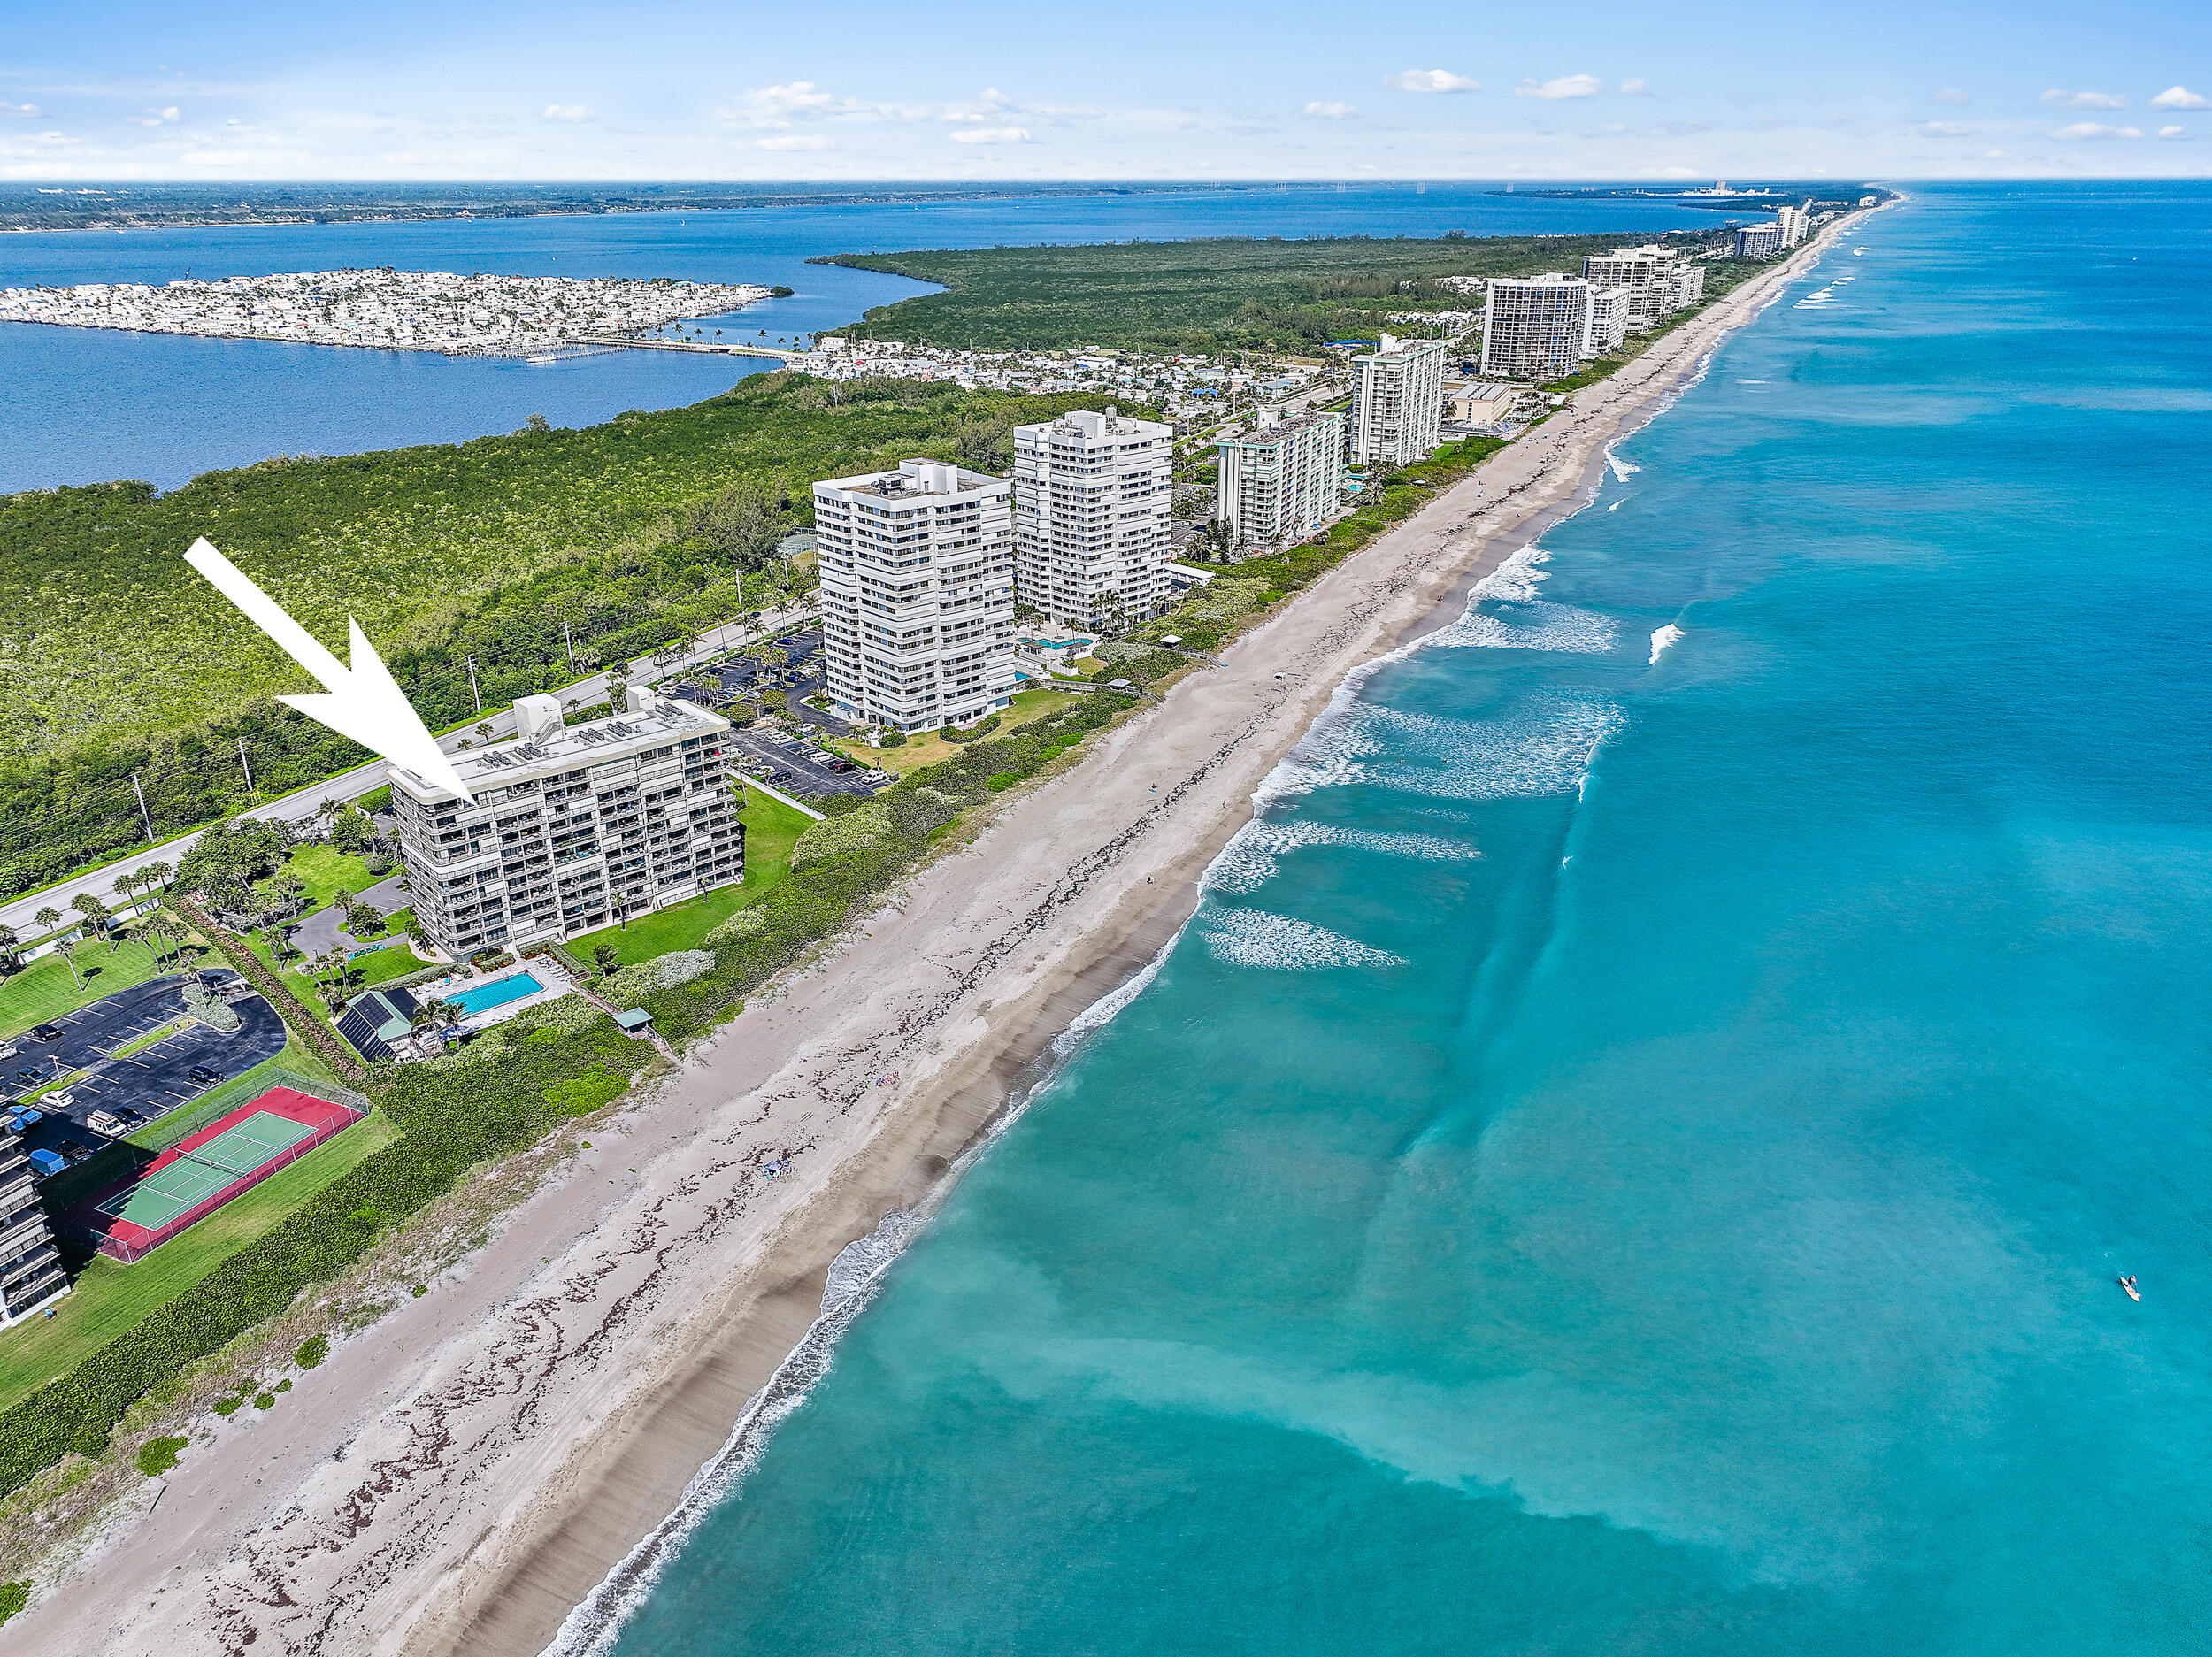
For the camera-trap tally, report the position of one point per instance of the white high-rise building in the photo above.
(1536, 327)
(1688, 282)
(1093, 506)
(572, 827)
(1647, 274)
(1609, 312)
(1281, 481)
(1401, 403)
(1758, 242)
(917, 567)
(1796, 223)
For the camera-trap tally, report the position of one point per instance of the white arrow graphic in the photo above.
(363, 702)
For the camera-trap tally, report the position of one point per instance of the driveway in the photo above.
(152, 1081)
(321, 930)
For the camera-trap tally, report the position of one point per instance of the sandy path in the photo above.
(458, 1477)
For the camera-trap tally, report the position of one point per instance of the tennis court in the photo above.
(192, 1179)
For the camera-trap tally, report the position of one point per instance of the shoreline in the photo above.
(545, 1414)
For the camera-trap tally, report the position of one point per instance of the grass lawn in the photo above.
(928, 748)
(109, 1298)
(395, 962)
(46, 988)
(772, 829)
(328, 871)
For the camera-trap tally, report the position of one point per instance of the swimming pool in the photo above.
(498, 992)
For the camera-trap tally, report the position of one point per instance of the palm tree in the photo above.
(48, 917)
(126, 885)
(8, 942)
(68, 950)
(98, 923)
(606, 958)
(155, 874)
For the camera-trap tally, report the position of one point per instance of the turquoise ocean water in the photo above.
(1632, 1155)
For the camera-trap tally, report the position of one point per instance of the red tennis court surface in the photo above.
(192, 1179)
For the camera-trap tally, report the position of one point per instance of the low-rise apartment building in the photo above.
(30, 1266)
(1482, 403)
(1280, 481)
(572, 827)
(917, 569)
(1400, 404)
(1094, 517)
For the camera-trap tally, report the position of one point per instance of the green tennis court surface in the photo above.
(199, 1173)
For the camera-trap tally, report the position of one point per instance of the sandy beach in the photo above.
(460, 1474)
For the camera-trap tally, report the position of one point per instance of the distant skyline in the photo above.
(493, 90)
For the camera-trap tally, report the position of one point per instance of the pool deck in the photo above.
(544, 969)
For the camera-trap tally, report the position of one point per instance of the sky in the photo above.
(494, 90)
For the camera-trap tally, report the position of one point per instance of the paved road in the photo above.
(322, 930)
(299, 808)
(150, 1082)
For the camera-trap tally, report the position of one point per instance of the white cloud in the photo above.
(994, 136)
(1952, 94)
(567, 112)
(1561, 87)
(1321, 112)
(159, 118)
(21, 112)
(1431, 80)
(2057, 99)
(779, 106)
(2173, 132)
(2180, 98)
(2095, 129)
(1945, 129)
(793, 140)
(1634, 89)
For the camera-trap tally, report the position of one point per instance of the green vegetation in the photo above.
(109, 1298)
(326, 872)
(13, 1597)
(772, 828)
(46, 989)
(1227, 293)
(312, 1352)
(617, 539)
(156, 1456)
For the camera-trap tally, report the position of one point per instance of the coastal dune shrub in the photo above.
(860, 830)
(738, 925)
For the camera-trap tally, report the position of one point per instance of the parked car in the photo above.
(840, 766)
(48, 1162)
(45, 1033)
(107, 1123)
(27, 1118)
(8, 1050)
(30, 1073)
(60, 1101)
(201, 1074)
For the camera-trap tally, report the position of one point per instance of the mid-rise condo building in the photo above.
(1536, 327)
(1758, 242)
(1795, 224)
(1094, 507)
(30, 1266)
(1609, 316)
(1281, 480)
(1688, 284)
(917, 567)
(1646, 274)
(1401, 401)
(572, 827)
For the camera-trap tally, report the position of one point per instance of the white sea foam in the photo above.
(1623, 470)
(1252, 856)
(1254, 938)
(1617, 504)
(1662, 638)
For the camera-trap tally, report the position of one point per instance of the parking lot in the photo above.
(797, 767)
(150, 1082)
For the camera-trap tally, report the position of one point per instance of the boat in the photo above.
(2128, 1283)
(540, 361)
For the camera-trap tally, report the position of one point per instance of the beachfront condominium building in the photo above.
(1278, 481)
(1689, 285)
(1401, 403)
(916, 568)
(1646, 274)
(1758, 242)
(30, 1266)
(1795, 222)
(1536, 327)
(1481, 404)
(572, 827)
(1094, 500)
(1608, 321)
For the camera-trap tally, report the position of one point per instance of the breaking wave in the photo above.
(1666, 636)
(1254, 938)
(1252, 856)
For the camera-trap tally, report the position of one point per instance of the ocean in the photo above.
(1633, 1152)
(86, 405)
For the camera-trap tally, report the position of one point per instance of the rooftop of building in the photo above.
(1094, 424)
(549, 746)
(912, 478)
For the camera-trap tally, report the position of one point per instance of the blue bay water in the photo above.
(84, 405)
(1633, 1157)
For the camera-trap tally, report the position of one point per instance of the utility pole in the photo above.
(475, 694)
(249, 770)
(142, 811)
